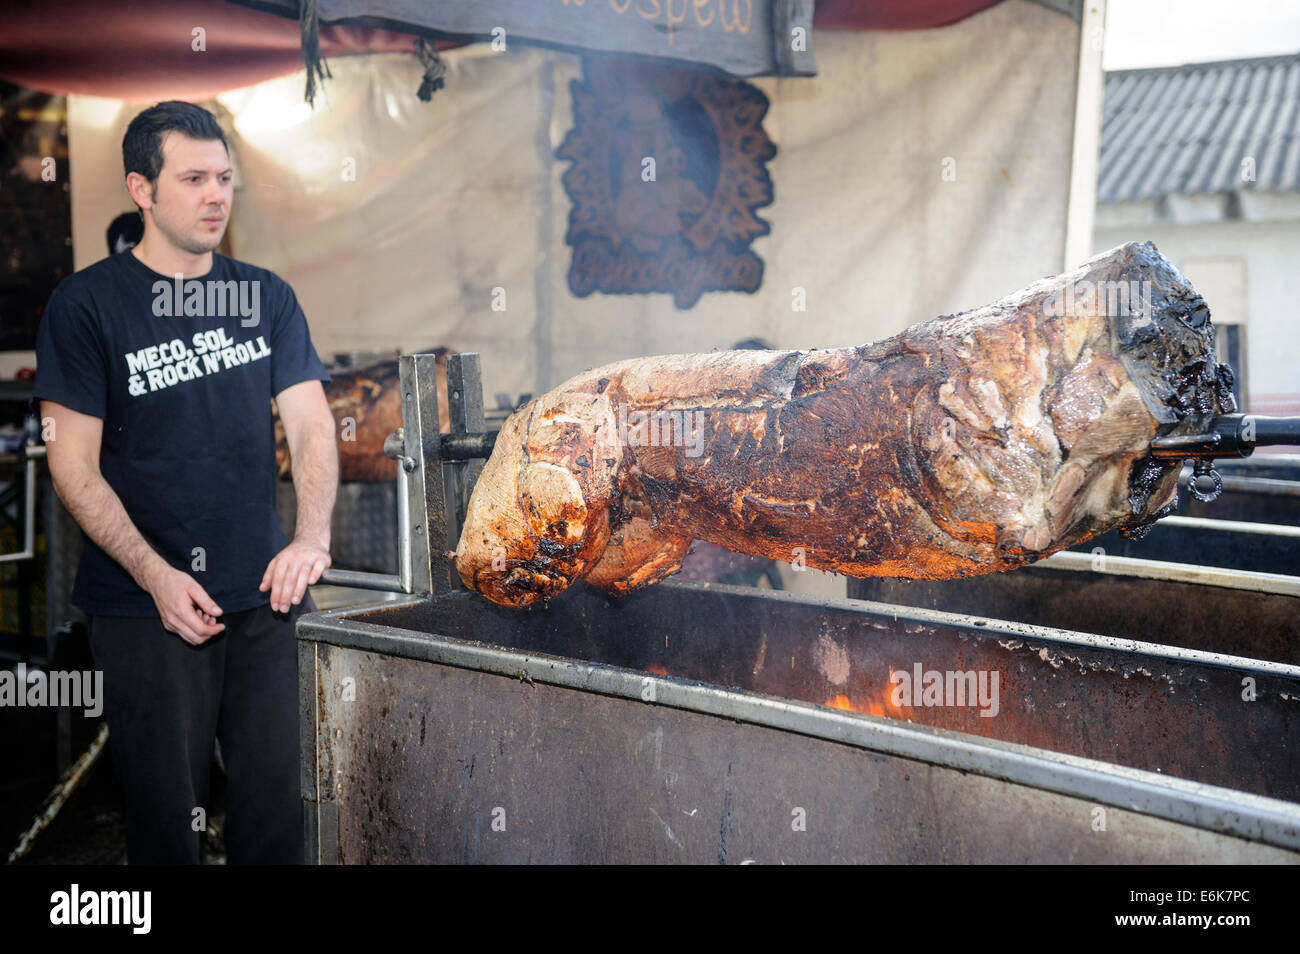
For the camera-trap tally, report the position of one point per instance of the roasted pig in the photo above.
(964, 445)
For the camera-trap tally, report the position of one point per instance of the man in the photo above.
(156, 412)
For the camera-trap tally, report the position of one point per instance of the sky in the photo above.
(1143, 33)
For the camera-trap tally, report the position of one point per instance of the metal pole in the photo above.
(1230, 526)
(1072, 561)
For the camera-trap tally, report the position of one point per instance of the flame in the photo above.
(656, 669)
(885, 708)
(842, 701)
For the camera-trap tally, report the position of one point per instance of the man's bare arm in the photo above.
(72, 452)
(314, 452)
(73, 456)
(309, 429)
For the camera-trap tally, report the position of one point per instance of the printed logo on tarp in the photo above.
(208, 299)
(171, 362)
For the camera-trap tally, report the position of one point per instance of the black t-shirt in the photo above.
(182, 376)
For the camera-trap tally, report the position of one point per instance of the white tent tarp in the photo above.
(919, 174)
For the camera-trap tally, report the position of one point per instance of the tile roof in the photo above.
(1187, 129)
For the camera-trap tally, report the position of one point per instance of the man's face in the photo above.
(193, 194)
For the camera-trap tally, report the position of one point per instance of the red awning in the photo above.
(893, 14)
(143, 51)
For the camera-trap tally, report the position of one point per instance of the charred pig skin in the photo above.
(967, 444)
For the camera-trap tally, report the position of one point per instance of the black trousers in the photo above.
(165, 701)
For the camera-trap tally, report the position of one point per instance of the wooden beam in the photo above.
(743, 37)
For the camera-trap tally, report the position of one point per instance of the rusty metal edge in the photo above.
(1213, 808)
(897, 611)
(1014, 630)
(1000, 627)
(320, 812)
(307, 716)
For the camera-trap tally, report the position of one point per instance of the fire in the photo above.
(885, 708)
(656, 669)
(842, 701)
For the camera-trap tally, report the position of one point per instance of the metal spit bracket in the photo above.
(1229, 435)
(436, 488)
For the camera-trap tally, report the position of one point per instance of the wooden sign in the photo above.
(742, 37)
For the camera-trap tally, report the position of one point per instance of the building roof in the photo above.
(1188, 129)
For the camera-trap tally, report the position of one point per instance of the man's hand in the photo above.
(291, 570)
(176, 594)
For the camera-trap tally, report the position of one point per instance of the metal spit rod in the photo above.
(426, 496)
(468, 446)
(1231, 526)
(1072, 560)
(1229, 435)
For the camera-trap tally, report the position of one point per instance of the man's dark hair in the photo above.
(142, 146)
